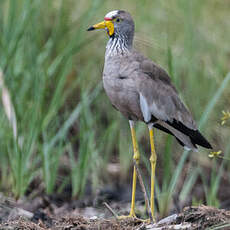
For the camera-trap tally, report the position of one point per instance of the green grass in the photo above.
(52, 69)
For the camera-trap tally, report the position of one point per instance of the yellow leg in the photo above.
(136, 157)
(153, 159)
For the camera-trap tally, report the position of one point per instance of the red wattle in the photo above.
(107, 19)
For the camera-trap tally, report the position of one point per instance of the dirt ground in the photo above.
(43, 213)
(60, 211)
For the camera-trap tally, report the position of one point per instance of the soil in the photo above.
(60, 211)
(44, 213)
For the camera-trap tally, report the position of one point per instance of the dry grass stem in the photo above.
(111, 210)
(143, 190)
(8, 105)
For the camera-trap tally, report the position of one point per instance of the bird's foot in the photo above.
(127, 217)
(133, 217)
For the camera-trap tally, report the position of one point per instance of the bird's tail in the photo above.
(188, 140)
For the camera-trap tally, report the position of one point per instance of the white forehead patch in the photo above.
(111, 14)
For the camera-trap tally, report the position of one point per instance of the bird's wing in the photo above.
(159, 98)
(160, 103)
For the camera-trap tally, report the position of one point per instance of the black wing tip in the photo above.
(196, 137)
(207, 145)
(199, 139)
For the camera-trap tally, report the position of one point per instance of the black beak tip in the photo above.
(91, 28)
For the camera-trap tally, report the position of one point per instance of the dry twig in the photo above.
(111, 210)
(143, 190)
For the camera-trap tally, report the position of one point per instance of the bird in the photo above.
(143, 91)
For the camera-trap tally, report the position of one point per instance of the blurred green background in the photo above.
(58, 128)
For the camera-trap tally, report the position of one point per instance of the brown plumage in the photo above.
(129, 77)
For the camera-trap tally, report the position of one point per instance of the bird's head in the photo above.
(116, 23)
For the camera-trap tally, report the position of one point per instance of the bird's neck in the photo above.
(118, 45)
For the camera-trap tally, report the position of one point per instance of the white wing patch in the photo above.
(145, 108)
(111, 14)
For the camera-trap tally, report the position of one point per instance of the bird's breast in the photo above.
(122, 93)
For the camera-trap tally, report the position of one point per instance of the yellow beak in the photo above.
(104, 25)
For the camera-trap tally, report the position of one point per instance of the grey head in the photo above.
(123, 23)
(121, 41)
(120, 28)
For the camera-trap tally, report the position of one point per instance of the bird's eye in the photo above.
(118, 20)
